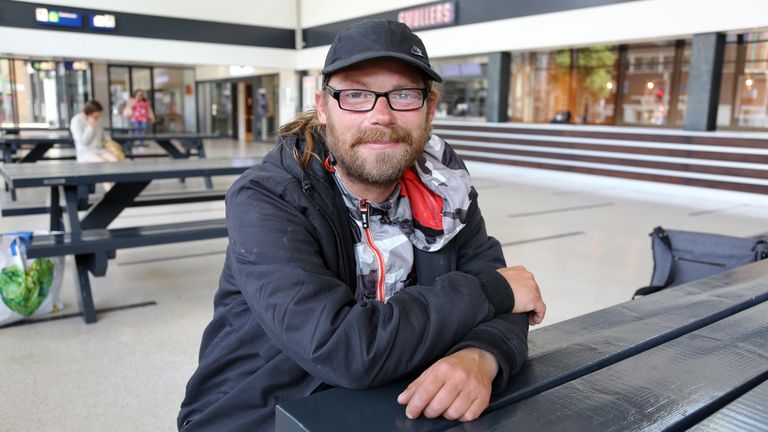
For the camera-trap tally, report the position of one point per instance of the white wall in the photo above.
(89, 46)
(318, 12)
(625, 22)
(270, 13)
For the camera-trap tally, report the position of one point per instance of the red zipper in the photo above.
(364, 212)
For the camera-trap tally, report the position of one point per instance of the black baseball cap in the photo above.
(373, 39)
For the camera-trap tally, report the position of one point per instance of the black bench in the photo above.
(584, 358)
(22, 208)
(93, 248)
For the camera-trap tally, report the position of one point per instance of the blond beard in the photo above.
(379, 168)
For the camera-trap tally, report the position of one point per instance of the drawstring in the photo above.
(330, 163)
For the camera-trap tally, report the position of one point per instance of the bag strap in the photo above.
(662, 235)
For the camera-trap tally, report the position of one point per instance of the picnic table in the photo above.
(89, 237)
(692, 357)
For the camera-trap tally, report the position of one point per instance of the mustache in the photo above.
(394, 134)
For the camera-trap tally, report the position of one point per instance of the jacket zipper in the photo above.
(364, 212)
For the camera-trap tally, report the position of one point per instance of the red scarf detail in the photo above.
(426, 206)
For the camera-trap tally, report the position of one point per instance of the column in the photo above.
(706, 71)
(497, 102)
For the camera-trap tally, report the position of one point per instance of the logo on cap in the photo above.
(416, 51)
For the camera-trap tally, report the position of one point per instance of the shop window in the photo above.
(648, 86)
(744, 88)
(7, 116)
(119, 95)
(566, 86)
(173, 99)
(464, 89)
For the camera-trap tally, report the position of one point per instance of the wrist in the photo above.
(486, 360)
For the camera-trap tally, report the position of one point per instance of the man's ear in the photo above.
(320, 105)
(432, 98)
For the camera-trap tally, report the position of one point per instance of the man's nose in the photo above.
(381, 112)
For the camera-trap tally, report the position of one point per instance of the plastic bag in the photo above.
(28, 287)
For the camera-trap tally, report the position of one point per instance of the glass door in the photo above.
(36, 93)
(74, 88)
(7, 117)
(119, 94)
(216, 105)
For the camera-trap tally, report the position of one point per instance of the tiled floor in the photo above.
(585, 238)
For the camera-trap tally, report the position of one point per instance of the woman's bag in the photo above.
(684, 256)
(28, 287)
(115, 148)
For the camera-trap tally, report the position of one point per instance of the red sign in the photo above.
(435, 15)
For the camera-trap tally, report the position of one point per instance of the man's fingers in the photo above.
(536, 316)
(422, 396)
(442, 400)
(405, 397)
(475, 409)
(459, 406)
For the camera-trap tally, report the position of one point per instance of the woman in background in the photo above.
(140, 114)
(89, 136)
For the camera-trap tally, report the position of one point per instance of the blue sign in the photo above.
(58, 18)
(103, 22)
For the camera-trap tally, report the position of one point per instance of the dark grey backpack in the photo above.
(684, 256)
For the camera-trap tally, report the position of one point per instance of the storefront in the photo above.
(170, 91)
(244, 108)
(42, 93)
(625, 85)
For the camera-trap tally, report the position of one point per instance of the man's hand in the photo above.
(458, 387)
(91, 120)
(526, 292)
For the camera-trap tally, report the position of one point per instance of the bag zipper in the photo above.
(365, 217)
(679, 258)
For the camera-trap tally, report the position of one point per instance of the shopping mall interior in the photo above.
(584, 124)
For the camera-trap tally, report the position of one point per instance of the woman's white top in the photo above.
(88, 140)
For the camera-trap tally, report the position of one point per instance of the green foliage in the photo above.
(593, 66)
(24, 291)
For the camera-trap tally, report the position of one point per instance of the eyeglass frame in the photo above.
(336, 94)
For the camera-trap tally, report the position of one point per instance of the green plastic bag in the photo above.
(28, 287)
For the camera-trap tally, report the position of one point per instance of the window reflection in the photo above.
(565, 86)
(744, 89)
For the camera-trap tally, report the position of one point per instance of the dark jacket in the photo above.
(286, 322)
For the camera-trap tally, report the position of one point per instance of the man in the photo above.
(358, 256)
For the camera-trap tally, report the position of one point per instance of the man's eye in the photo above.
(405, 95)
(357, 95)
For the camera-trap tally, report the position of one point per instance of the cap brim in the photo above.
(375, 55)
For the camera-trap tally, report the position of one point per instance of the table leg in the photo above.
(85, 299)
(71, 196)
(101, 214)
(57, 224)
(171, 149)
(200, 146)
(37, 152)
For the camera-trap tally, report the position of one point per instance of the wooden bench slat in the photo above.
(21, 208)
(560, 352)
(103, 240)
(747, 413)
(669, 387)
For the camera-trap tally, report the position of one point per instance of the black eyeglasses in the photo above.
(359, 100)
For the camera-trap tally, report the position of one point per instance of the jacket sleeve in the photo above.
(506, 335)
(309, 313)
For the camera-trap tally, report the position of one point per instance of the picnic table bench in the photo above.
(690, 357)
(26, 208)
(89, 237)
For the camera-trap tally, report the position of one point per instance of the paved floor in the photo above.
(585, 238)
